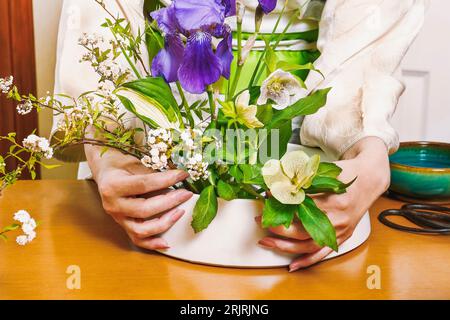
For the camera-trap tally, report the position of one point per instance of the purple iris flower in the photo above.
(195, 64)
(267, 6)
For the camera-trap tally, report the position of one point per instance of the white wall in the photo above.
(46, 21)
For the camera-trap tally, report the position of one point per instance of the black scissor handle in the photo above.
(427, 215)
(411, 217)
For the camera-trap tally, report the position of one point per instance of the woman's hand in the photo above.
(136, 198)
(368, 161)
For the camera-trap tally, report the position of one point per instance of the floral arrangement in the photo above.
(231, 138)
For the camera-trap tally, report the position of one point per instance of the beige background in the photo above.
(46, 21)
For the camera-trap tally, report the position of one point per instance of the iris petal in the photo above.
(200, 67)
(267, 6)
(165, 18)
(225, 52)
(168, 60)
(199, 14)
(230, 7)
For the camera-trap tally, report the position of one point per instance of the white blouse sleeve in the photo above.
(362, 44)
(72, 77)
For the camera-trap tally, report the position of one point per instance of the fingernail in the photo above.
(267, 243)
(294, 267)
(177, 215)
(164, 245)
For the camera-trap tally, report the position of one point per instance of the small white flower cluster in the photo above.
(112, 71)
(192, 160)
(87, 57)
(28, 227)
(160, 143)
(106, 89)
(196, 167)
(25, 108)
(5, 84)
(80, 112)
(38, 144)
(87, 39)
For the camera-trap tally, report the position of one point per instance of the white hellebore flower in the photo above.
(280, 87)
(148, 108)
(287, 178)
(247, 114)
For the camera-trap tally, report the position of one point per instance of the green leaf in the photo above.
(306, 106)
(328, 169)
(236, 173)
(225, 191)
(276, 213)
(317, 224)
(270, 58)
(289, 67)
(252, 174)
(4, 237)
(328, 185)
(277, 149)
(153, 40)
(205, 209)
(157, 90)
(265, 113)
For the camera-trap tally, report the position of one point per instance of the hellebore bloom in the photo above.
(246, 114)
(267, 6)
(287, 178)
(195, 64)
(280, 87)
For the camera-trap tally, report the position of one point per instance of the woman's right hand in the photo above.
(138, 199)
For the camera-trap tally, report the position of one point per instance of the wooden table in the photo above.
(74, 230)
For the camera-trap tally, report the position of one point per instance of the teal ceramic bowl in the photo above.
(421, 170)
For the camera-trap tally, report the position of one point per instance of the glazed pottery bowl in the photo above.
(421, 170)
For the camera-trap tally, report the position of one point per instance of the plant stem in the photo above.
(212, 104)
(185, 104)
(255, 72)
(122, 49)
(239, 64)
(280, 36)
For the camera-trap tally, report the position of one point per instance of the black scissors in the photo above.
(431, 219)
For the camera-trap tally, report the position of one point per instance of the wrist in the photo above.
(370, 156)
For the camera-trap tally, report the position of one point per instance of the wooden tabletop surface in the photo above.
(74, 231)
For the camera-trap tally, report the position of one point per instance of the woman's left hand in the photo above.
(368, 161)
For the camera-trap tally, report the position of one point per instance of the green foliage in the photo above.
(205, 209)
(321, 184)
(276, 213)
(226, 191)
(306, 106)
(328, 169)
(317, 224)
(251, 174)
(159, 91)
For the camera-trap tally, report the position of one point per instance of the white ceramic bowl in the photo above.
(231, 240)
